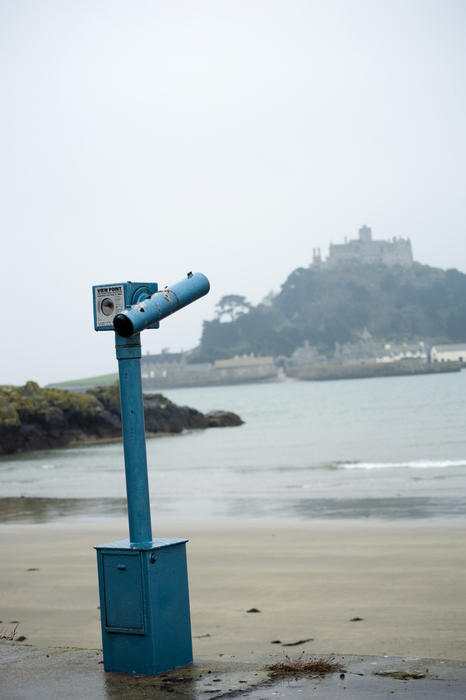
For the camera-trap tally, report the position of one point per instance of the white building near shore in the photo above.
(455, 352)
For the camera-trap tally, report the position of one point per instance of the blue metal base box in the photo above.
(144, 606)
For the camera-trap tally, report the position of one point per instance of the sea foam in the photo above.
(416, 464)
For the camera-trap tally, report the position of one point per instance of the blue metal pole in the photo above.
(128, 352)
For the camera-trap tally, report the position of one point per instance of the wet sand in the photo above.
(405, 580)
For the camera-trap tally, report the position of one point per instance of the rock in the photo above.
(222, 419)
(32, 418)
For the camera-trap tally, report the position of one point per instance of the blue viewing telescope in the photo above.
(131, 307)
(143, 581)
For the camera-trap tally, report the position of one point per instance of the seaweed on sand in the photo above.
(302, 666)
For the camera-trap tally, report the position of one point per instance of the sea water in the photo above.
(384, 448)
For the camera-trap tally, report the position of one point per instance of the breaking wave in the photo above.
(416, 464)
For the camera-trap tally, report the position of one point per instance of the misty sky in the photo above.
(144, 139)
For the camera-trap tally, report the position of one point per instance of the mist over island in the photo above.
(366, 289)
(369, 309)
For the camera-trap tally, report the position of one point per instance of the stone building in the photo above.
(244, 368)
(367, 251)
(453, 352)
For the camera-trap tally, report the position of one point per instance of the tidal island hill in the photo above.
(368, 303)
(368, 309)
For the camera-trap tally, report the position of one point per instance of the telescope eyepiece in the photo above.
(123, 326)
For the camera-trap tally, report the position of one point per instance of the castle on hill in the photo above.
(366, 251)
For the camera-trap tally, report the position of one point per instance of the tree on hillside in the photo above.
(334, 305)
(231, 306)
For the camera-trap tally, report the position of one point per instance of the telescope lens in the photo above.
(107, 307)
(123, 326)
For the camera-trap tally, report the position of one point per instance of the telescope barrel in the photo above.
(161, 304)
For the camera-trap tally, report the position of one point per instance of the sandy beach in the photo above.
(405, 580)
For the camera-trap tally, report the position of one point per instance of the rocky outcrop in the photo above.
(32, 418)
(221, 419)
